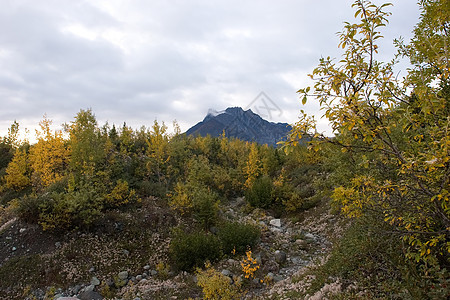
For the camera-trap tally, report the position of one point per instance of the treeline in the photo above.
(69, 178)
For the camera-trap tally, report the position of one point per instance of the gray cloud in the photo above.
(135, 61)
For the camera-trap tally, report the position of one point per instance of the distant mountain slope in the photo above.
(244, 125)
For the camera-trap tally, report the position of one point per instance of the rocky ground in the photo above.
(127, 258)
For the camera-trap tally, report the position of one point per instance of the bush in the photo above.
(61, 211)
(149, 188)
(260, 194)
(196, 198)
(215, 285)
(205, 206)
(27, 207)
(238, 237)
(193, 250)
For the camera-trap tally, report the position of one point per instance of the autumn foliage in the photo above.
(393, 132)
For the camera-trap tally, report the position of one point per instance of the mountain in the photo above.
(244, 125)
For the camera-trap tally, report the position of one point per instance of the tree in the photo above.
(18, 171)
(157, 151)
(49, 156)
(253, 168)
(12, 139)
(86, 145)
(398, 143)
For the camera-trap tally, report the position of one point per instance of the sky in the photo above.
(135, 61)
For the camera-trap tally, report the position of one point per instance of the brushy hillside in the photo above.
(103, 212)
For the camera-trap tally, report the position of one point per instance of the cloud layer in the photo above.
(138, 60)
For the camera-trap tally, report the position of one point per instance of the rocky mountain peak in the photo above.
(241, 124)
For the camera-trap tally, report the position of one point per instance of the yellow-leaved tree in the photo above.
(253, 168)
(394, 132)
(49, 156)
(18, 171)
(157, 152)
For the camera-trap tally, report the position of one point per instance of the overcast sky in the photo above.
(137, 61)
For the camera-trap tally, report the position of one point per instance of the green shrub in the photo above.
(27, 207)
(193, 250)
(205, 206)
(61, 211)
(238, 237)
(147, 188)
(260, 194)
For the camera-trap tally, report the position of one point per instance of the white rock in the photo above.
(275, 222)
(95, 281)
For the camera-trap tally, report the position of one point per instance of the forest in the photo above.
(384, 175)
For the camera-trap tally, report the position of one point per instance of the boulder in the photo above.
(123, 275)
(95, 281)
(90, 295)
(280, 257)
(276, 222)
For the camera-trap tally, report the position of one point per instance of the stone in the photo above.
(280, 257)
(22, 230)
(277, 278)
(58, 244)
(144, 275)
(271, 266)
(13, 249)
(126, 252)
(302, 244)
(123, 275)
(258, 258)
(275, 229)
(146, 267)
(92, 270)
(296, 261)
(269, 276)
(310, 236)
(139, 277)
(153, 272)
(95, 281)
(76, 289)
(66, 298)
(91, 295)
(89, 288)
(226, 272)
(276, 222)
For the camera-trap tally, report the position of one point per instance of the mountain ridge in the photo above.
(241, 124)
